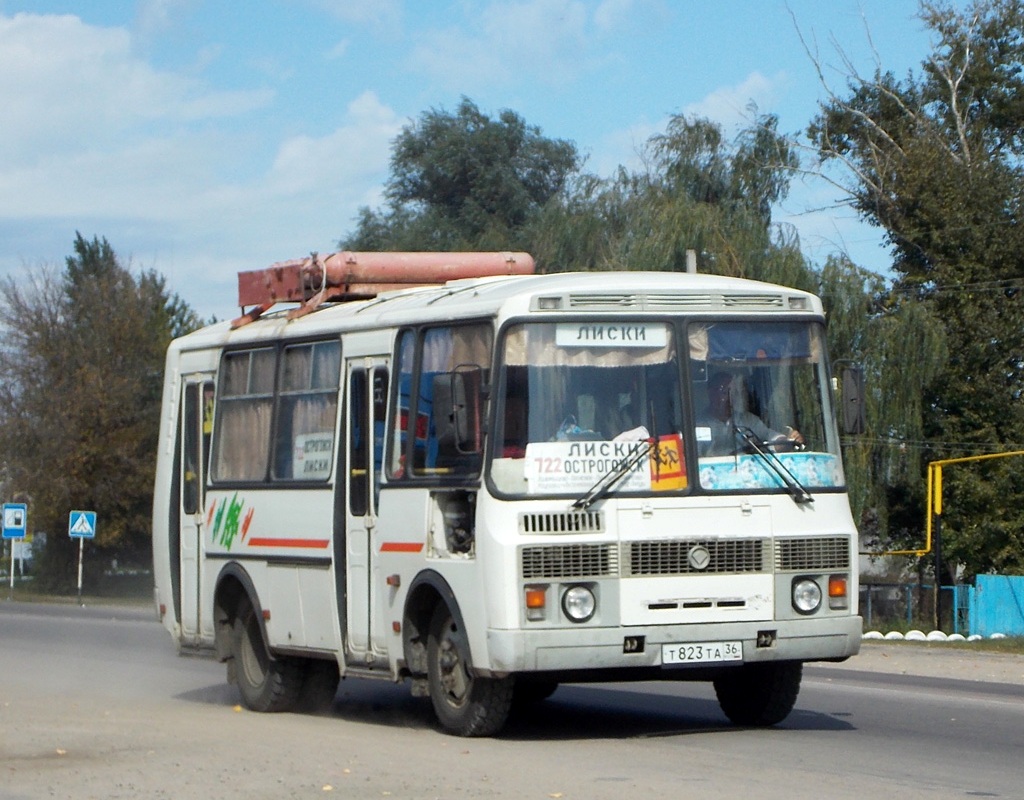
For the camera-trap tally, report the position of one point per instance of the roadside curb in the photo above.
(934, 660)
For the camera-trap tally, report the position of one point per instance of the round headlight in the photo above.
(579, 603)
(806, 595)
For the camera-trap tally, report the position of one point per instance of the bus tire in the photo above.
(265, 683)
(465, 704)
(759, 695)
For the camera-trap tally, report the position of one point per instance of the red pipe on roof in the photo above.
(349, 275)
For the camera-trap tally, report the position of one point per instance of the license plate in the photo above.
(701, 653)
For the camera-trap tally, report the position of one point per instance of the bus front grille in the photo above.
(812, 554)
(699, 556)
(569, 561)
(562, 522)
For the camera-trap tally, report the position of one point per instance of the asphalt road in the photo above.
(94, 702)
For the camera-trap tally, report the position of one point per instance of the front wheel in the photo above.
(465, 704)
(759, 695)
(265, 683)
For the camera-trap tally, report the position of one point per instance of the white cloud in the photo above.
(96, 139)
(377, 13)
(623, 148)
(729, 105)
(554, 41)
(90, 91)
(355, 150)
(155, 16)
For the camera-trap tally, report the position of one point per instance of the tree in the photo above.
(697, 192)
(901, 348)
(936, 159)
(81, 370)
(464, 181)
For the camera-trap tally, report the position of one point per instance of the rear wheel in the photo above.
(465, 704)
(266, 683)
(758, 695)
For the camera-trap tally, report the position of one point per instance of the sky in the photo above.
(205, 137)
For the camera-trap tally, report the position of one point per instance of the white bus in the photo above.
(494, 485)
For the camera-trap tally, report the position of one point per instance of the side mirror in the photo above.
(467, 408)
(458, 410)
(851, 416)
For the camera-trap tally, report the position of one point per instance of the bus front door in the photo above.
(196, 422)
(366, 403)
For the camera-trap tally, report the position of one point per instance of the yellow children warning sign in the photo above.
(668, 467)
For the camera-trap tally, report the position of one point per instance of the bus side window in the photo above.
(401, 424)
(306, 411)
(358, 449)
(190, 450)
(241, 447)
(380, 408)
(424, 399)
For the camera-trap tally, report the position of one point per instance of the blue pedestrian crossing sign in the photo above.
(15, 520)
(82, 524)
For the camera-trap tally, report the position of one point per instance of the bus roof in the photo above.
(513, 295)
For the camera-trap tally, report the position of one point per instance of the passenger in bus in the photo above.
(719, 426)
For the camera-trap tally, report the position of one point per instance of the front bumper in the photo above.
(580, 649)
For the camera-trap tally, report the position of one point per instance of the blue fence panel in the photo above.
(997, 605)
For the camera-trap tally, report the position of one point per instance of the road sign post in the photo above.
(81, 526)
(15, 525)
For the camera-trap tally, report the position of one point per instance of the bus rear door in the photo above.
(196, 420)
(366, 382)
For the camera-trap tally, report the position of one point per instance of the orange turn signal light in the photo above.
(536, 596)
(837, 599)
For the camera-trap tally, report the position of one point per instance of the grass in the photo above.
(133, 590)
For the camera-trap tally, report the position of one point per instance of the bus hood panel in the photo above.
(696, 598)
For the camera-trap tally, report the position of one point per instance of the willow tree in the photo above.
(698, 191)
(937, 160)
(901, 346)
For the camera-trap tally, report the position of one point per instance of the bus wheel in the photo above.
(465, 704)
(266, 683)
(759, 695)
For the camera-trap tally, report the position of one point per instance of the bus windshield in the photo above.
(578, 401)
(579, 398)
(761, 388)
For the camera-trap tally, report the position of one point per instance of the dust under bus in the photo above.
(503, 481)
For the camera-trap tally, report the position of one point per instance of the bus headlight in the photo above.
(806, 595)
(579, 603)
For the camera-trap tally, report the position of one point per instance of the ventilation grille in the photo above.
(562, 522)
(812, 555)
(569, 561)
(673, 557)
(668, 301)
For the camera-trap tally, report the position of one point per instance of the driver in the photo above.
(717, 430)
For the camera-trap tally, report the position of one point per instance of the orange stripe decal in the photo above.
(401, 547)
(309, 544)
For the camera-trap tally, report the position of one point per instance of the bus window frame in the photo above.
(676, 329)
(396, 461)
(269, 480)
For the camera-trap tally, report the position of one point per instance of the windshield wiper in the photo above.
(618, 471)
(796, 489)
